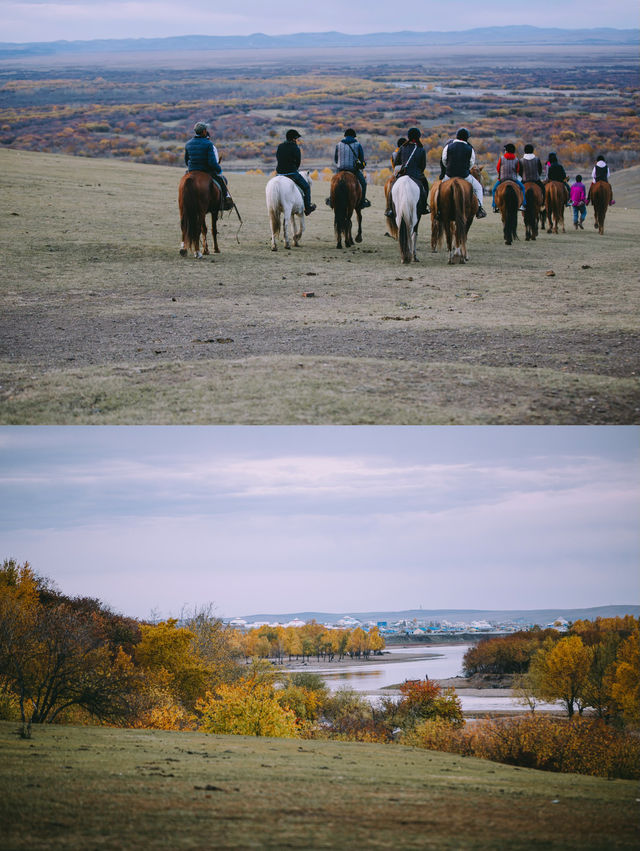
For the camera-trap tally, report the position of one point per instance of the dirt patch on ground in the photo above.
(103, 322)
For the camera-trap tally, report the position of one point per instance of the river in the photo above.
(369, 677)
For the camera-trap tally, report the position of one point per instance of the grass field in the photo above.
(89, 788)
(103, 322)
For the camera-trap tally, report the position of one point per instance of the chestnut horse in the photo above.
(600, 194)
(438, 229)
(198, 194)
(535, 204)
(508, 198)
(344, 199)
(555, 198)
(453, 207)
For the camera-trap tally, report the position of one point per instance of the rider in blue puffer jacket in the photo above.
(200, 155)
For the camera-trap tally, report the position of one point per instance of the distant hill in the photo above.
(517, 616)
(484, 35)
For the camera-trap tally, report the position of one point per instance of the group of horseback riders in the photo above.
(409, 158)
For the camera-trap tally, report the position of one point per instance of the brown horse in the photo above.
(198, 194)
(600, 194)
(555, 198)
(535, 203)
(508, 198)
(344, 198)
(453, 207)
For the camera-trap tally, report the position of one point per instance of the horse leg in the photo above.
(348, 240)
(415, 243)
(214, 232)
(205, 246)
(287, 225)
(359, 234)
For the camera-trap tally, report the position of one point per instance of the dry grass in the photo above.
(78, 788)
(103, 322)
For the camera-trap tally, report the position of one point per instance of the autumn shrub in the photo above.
(579, 745)
(422, 700)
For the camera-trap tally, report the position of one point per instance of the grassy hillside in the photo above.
(84, 788)
(103, 322)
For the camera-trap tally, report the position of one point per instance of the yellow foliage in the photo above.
(246, 709)
(626, 686)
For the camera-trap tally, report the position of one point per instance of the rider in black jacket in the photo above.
(288, 159)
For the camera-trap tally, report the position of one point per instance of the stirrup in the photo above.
(365, 203)
(389, 214)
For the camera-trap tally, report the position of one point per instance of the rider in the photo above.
(555, 171)
(601, 172)
(531, 167)
(349, 156)
(395, 156)
(578, 202)
(288, 158)
(412, 159)
(458, 156)
(200, 155)
(508, 168)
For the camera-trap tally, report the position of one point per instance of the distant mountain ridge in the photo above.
(523, 616)
(480, 35)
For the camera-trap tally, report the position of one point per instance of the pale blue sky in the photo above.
(328, 518)
(49, 20)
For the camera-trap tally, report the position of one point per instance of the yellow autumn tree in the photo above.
(559, 671)
(246, 708)
(626, 685)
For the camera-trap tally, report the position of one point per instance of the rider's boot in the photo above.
(482, 213)
(309, 209)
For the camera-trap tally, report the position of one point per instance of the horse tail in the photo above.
(405, 240)
(437, 231)
(461, 218)
(341, 209)
(190, 213)
(511, 205)
(531, 212)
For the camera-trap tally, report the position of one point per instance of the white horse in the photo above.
(405, 196)
(285, 204)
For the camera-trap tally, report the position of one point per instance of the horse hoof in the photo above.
(183, 252)
(358, 238)
(274, 247)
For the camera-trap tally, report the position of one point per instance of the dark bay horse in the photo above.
(600, 194)
(345, 196)
(508, 198)
(535, 204)
(555, 198)
(198, 194)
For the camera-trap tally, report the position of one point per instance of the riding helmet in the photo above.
(413, 135)
(463, 134)
(292, 135)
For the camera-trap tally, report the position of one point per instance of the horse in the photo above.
(344, 199)
(600, 194)
(453, 207)
(507, 198)
(198, 194)
(555, 198)
(535, 203)
(285, 205)
(405, 196)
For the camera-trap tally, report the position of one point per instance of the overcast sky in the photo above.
(334, 519)
(50, 20)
